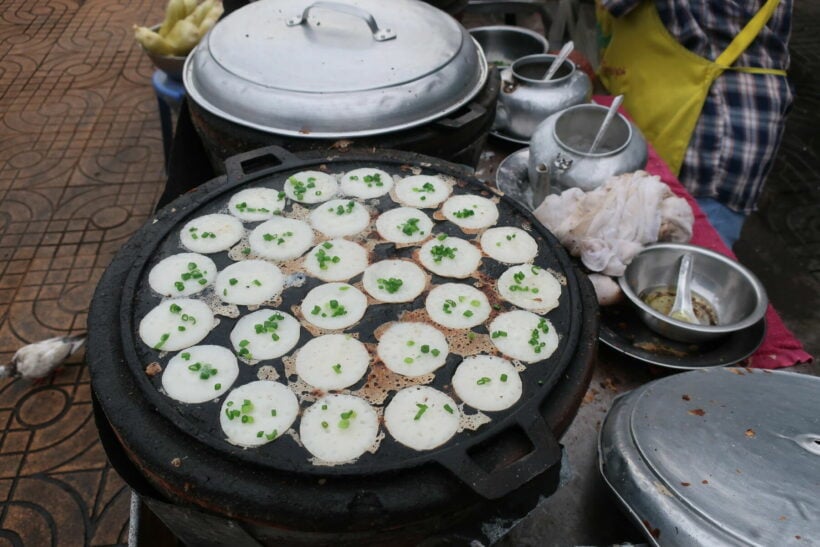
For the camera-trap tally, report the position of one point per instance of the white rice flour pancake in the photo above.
(412, 349)
(311, 187)
(470, 212)
(255, 204)
(281, 239)
(457, 306)
(404, 225)
(265, 334)
(509, 245)
(366, 183)
(450, 256)
(182, 274)
(340, 217)
(249, 282)
(176, 323)
(258, 413)
(423, 191)
(394, 280)
(524, 336)
(530, 287)
(422, 417)
(336, 260)
(339, 428)
(487, 383)
(199, 374)
(333, 361)
(211, 233)
(334, 306)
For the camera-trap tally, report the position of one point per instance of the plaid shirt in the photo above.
(739, 130)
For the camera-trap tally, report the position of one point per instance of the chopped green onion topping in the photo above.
(426, 187)
(272, 435)
(434, 352)
(337, 368)
(464, 213)
(180, 286)
(408, 360)
(440, 252)
(483, 380)
(233, 281)
(498, 334)
(185, 355)
(422, 410)
(217, 387)
(448, 408)
(503, 377)
(175, 309)
(162, 339)
(425, 348)
(410, 227)
(391, 285)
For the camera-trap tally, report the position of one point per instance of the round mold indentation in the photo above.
(25, 159)
(42, 407)
(110, 217)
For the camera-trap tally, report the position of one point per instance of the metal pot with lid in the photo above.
(560, 155)
(335, 70)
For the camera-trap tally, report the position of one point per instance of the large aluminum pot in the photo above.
(526, 99)
(559, 149)
(320, 69)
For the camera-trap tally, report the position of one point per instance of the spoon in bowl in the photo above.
(559, 60)
(682, 308)
(610, 115)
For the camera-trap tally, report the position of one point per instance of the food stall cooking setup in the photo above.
(382, 110)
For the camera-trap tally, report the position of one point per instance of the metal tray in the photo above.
(623, 331)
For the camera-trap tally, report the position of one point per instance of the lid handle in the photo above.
(379, 34)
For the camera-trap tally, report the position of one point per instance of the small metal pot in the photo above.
(559, 157)
(526, 99)
(735, 293)
(505, 44)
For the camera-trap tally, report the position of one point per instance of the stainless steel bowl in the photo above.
(736, 294)
(504, 44)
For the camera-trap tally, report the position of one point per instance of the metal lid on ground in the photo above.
(332, 69)
(721, 456)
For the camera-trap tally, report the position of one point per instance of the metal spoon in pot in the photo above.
(682, 308)
(610, 115)
(559, 60)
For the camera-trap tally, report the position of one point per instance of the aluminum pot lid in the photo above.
(718, 457)
(331, 69)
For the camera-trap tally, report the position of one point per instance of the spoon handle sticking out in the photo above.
(559, 60)
(613, 109)
(682, 308)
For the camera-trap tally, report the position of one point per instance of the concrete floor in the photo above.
(80, 170)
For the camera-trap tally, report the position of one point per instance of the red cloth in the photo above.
(780, 348)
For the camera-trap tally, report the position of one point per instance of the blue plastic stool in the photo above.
(169, 99)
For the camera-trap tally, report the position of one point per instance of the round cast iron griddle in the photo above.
(160, 239)
(623, 330)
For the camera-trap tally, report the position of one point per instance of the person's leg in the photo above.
(727, 222)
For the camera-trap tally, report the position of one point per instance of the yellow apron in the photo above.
(663, 83)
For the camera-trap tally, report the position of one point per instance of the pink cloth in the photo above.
(780, 348)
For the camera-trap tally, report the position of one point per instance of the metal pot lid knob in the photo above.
(379, 34)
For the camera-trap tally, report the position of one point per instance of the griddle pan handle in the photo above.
(257, 163)
(499, 482)
(474, 112)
